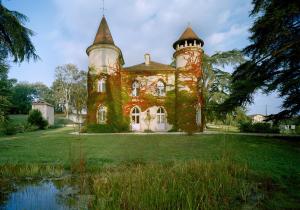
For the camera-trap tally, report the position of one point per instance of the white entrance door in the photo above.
(135, 119)
(161, 119)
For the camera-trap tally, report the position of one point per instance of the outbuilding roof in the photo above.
(41, 102)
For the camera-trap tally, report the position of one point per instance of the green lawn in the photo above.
(54, 146)
(268, 159)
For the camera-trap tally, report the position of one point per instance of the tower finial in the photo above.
(103, 7)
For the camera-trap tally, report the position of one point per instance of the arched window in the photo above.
(135, 116)
(101, 85)
(161, 89)
(198, 115)
(135, 88)
(161, 116)
(101, 115)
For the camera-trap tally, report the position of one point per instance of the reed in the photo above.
(186, 185)
(31, 171)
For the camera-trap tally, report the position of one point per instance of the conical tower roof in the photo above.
(103, 35)
(187, 35)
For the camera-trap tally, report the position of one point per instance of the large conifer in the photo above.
(274, 55)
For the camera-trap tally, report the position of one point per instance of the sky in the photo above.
(65, 28)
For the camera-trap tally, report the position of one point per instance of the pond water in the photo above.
(43, 195)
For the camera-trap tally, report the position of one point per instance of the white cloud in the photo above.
(233, 32)
(140, 26)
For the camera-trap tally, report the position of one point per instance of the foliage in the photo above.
(5, 90)
(216, 83)
(67, 77)
(35, 118)
(14, 36)
(14, 42)
(79, 94)
(42, 92)
(189, 96)
(234, 117)
(105, 128)
(24, 93)
(274, 57)
(258, 128)
(22, 97)
(8, 128)
(112, 98)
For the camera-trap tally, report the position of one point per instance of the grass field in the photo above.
(272, 165)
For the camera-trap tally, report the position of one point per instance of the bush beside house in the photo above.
(35, 118)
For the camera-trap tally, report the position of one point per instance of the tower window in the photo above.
(135, 88)
(101, 115)
(101, 86)
(161, 89)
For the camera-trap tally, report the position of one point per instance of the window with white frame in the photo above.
(135, 116)
(161, 116)
(198, 115)
(101, 115)
(135, 88)
(161, 89)
(101, 86)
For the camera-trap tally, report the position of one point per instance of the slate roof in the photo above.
(103, 35)
(153, 66)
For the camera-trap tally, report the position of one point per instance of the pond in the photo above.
(46, 194)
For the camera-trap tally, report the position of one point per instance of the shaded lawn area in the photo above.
(275, 163)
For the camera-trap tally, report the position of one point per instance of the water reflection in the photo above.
(43, 195)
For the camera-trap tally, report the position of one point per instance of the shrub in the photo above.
(35, 118)
(29, 127)
(258, 128)
(105, 128)
(8, 128)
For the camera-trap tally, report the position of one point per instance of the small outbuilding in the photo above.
(257, 118)
(46, 109)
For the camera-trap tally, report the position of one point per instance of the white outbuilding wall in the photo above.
(46, 109)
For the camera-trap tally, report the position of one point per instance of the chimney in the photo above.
(147, 59)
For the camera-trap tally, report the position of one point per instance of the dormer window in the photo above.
(161, 89)
(135, 88)
(101, 86)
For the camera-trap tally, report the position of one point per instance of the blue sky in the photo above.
(65, 28)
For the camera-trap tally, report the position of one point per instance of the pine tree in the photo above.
(274, 57)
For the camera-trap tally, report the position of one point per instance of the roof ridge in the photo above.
(152, 66)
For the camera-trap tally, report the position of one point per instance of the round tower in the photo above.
(104, 81)
(189, 98)
(103, 53)
(189, 44)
